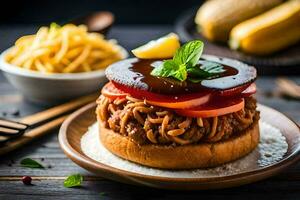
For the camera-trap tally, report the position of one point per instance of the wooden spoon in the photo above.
(99, 22)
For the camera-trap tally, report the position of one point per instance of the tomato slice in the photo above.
(182, 104)
(186, 101)
(167, 101)
(213, 109)
(234, 91)
(249, 90)
(143, 94)
(201, 104)
(110, 91)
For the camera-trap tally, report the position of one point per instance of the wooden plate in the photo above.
(77, 124)
(283, 62)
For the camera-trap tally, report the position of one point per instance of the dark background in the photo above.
(126, 11)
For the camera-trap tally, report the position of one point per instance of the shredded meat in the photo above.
(146, 124)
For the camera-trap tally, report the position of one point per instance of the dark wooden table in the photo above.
(48, 183)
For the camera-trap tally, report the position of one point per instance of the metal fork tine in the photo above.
(8, 130)
(11, 132)
(11, 129)
(12, 124)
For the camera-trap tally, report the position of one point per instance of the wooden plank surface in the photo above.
(48, 183)
(95, 189)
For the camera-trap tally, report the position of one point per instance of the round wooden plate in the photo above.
(283, 62)
(77, 124)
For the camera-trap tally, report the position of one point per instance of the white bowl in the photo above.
(53, 88)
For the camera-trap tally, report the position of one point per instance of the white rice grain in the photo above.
(271, 149)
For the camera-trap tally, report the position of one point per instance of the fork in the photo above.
(14, 134)
(11, 129)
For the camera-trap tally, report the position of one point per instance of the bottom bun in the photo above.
(182, 157)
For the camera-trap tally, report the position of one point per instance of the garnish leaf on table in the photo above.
(184, 64)
(103, 193)
(73, 180)
(30, 163)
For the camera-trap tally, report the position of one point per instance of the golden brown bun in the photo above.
(182, 157)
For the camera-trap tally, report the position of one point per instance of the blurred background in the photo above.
(126, 12)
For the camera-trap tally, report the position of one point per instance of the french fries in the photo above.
(66, 49)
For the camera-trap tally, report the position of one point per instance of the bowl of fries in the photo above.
(59, 62)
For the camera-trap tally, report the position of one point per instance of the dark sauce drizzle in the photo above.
(163, 85)
(137, 73)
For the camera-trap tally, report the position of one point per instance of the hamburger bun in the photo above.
(200, 155)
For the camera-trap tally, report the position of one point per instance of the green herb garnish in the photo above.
(103, 193)
(73, 180)
(30, 163)
(169, 68)
(184, 64)
(207, 69)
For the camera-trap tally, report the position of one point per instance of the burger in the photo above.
(188, 111)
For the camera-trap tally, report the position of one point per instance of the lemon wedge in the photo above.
(164, 47)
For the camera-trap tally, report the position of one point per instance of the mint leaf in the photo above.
(207, 70)
(195, 80)
(185, 64)
(73, 180)
(164, 69)
(103, 193)
(186, 56)
(212, 67)
(170, 69)
(197, 72)
(189, 53)
(28, 162)
(180, 73)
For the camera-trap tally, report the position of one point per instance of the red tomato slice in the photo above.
(167, 101)
(249, 90)
(213, 109)
(110, 91)
(234, 91)
(197, 104)
(182, 104)
(143, 94)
